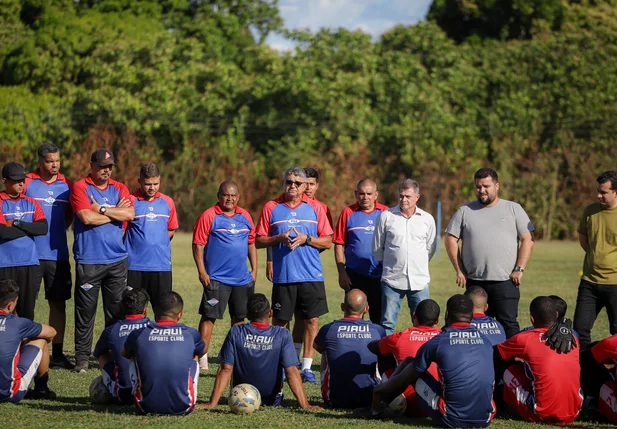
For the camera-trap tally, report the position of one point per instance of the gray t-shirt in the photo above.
(490, 238)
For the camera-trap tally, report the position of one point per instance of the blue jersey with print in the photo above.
(166, 373)
(13, 330)
(349, 377)
(54, 199)
(489, 327)
(464, 357)
(112, 340)
(259, 353)
(19, 252)
(147, 239)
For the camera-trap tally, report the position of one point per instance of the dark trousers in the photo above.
(156, 283)
(111, 280)
(27, 278)
(593, 375)
(372, 289)
(591, 298)
(503, 298)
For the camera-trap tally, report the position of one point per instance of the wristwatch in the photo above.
(308, 240)
(102, 210)
(519, 269)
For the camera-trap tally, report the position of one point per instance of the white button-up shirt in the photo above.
(404, 246)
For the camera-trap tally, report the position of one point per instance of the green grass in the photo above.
(553, 269)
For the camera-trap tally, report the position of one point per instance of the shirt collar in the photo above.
(137, 194)
(36, 174)
(218, 210)
(479, 315)
(134, 316)
(260, 325)
(460, 325)
(4, 196)
(89, 181)
(166, 322)
(397, 209)
(352, 318)
(356, 208)
(281, 199)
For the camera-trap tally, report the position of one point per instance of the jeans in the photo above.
(391, 304)
(592, 297)
(503, 298)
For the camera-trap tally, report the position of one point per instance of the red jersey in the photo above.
(326, 209)
(606, 350)
(407, 343)
(555, 376)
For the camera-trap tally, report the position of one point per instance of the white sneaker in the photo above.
(203, 362)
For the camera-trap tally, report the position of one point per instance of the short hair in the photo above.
(543, 311)
(134, 301)
(427, 312)
(257, 306)
(408, 183)
(459, 305)
(9, 291)
(311, 173)
(295, 171)
(226, 184)
(170, 304)
(608, 176)
(561, 306)
(485, 172)
(477, 294)
(365, 182)
(149, 170)
(46, 148)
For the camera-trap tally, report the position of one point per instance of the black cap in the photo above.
(13, 171)
(102, 157)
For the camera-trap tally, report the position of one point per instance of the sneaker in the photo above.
(44, 393)
(203, 363)
(367, 413)
(308, 376)
(81, 366)
(61, 362)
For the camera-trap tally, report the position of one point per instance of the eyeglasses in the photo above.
(292, 182)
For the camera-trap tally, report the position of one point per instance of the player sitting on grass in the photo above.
(164, 368)
(598, 376)
(348, 372)
(544, 384)
(483, 323)
(21, 361)
(404, 346)
(256, 353)
(463, 396)
(108, 350)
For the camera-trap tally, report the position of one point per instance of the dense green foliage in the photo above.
(526, 86)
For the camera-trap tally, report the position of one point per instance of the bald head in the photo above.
(366, 194)
(355, 303)
(228, 196)
(370, 183)
(479, 297)
(227, 185)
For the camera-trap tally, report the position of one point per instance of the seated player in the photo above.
(108, 350)
(463, 397)
(164, 368)
(598, 376)
(483, 323)
(257, 353)
(24, 353)
(562, 308)
(544, 385)
(348, 372)
(404, 346)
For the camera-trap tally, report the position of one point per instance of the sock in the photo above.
(41, 382)
(306, 363)
(204, 357)
(298, 347)
(56, 350)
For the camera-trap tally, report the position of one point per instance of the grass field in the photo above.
(553, 269)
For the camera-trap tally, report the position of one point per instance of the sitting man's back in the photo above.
(488, 326)
(164, 370)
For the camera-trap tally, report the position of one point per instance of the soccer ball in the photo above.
(98, 392)
(396, 408)
(244, 399)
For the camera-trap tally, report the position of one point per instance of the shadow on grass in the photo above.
(79, 404)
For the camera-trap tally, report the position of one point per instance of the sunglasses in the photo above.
(292, 182)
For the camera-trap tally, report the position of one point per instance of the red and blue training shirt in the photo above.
(302, 264)
(147, 241)
(226, 240)
(354, 230)
(54, 199)
(606, 350)
(488, 326)
(101, 244)
(19, 252)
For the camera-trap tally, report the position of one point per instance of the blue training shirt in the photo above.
(349, 377)
(19, 252)
(259, 353)
(489, 327)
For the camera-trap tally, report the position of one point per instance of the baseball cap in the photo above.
(102, 157)
(13, 171)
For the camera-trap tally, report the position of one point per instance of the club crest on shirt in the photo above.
(50, 200)
(18, 213)
(151, 215)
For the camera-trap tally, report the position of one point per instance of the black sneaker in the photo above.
(44, 393)
(61, 362)
(367, 413)
(81, 366)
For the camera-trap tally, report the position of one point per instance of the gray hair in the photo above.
(295, 171)
(408, 183)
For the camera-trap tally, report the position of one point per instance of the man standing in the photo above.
(223, 237)
(597, 234)
(101, 205)
(404, 242)
(353, 239)
(149, 234)
(52, 191)
(21, 219)
(491, 257)
(297, 229)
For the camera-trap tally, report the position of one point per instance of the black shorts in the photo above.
(217, 295)
(29, 283)
(307, 297)
(156, 283)
(56, 277)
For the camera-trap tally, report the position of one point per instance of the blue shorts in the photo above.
(122, 395)
(29, 361)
